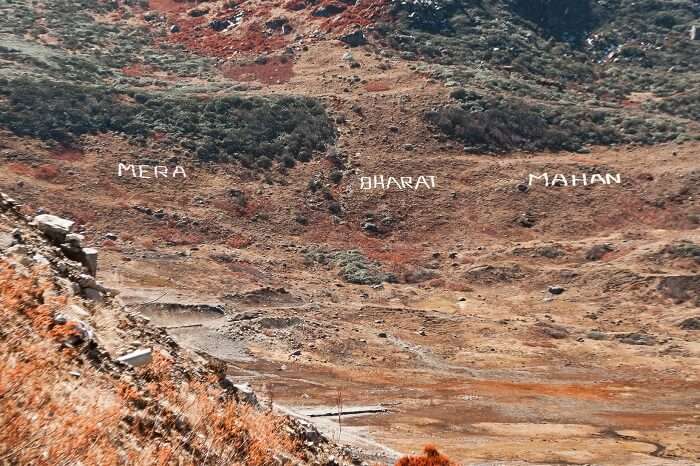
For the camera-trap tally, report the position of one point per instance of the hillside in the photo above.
(462, 223)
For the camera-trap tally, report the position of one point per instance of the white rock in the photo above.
(137, 358)
(54, 227)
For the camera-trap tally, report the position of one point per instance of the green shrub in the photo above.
(266, 128)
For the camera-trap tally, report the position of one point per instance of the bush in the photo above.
(264, 128)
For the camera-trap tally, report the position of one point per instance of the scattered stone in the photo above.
(556, 289)
(329, 10)
(355, 38)
(382, 335)
(681, 288)
(219, 25)
(691, 323)
(598, 251)
(6, 241)
(596, 335)
(526, 220)
(137, 358)
(276, 23)
(637, 339)
(552, 330)
(150, 16)
(199, 10)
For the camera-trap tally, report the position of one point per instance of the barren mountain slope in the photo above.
(506, 317)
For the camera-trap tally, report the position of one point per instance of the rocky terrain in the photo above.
(230, 164)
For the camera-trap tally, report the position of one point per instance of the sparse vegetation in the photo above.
(228, 128)
(354, 266)
(563, 69)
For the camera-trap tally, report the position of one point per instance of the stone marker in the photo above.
(90, 260)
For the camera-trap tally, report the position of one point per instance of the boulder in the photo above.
(552, 330)
(596, 335)
(150, 16)
(276, 23)
(199, 10)
(598, 251)
(637, 339)
(329, 10)
(219, 24)
(56, 228)
(691, 323)
(556, 289)
(354, 39)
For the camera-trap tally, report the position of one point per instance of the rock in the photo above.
(199, 10)
(54, 227)
(245, 394)
(93, 295)
(523, 188)
(637, 339)
(371, 227)
(329, 10)
(219, 24)
(354, 39)
(526, 220)
(111, 236)
(691, 323)
(556, 289)
(406, 55)
(598, 251)
(83, 333)
(6, 202)
(90, 260)
(137, 358)
(174, 28)
(382, 335)
(295, 353)
(596, 335)
(681, 288)
(6, 241)
(150, 16)
(276, 23)
(347, 56)
(552, 330)
(75, 240)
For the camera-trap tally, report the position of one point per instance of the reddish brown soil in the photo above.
(277, 70)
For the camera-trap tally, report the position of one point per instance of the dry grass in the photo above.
(163, 415)
(431, 457)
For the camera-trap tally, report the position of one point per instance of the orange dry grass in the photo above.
(165, 416)
(431, 458)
